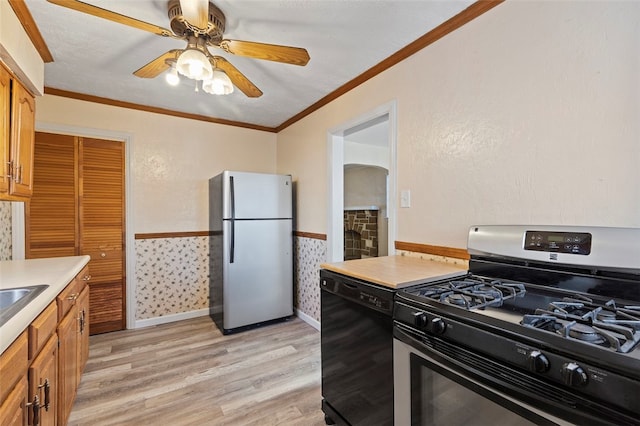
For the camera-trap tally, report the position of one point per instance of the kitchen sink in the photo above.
(12, 300)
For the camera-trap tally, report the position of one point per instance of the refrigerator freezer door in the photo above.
(258, 285)
(256, 195)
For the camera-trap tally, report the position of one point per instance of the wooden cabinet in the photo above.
(68, 367)
(17, 106)
(43, 382)
(83, 331)
(73, 333)
(13, 410)
(40, 371)
(13, 372)
(5, 127)
(43, 372)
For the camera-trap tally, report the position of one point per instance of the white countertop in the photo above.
(57, 272)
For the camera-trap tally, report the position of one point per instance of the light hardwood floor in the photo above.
(188, 373)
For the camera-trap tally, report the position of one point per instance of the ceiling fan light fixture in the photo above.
(172, 77)
(194, 64)
(218, 84)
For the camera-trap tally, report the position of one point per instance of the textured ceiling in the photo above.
(344, 38)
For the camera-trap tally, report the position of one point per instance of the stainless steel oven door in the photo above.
(429, 391)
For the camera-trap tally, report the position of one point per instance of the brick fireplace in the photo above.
(360, 233)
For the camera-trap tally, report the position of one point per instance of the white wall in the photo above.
(171, 158)
(528, 114)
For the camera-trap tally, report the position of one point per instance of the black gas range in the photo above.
(546, 324)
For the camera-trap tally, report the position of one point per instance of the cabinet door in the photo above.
(5, 135)
(67, 363)
(43, 381)
(23, 118)
(83, 331)
(13, 411)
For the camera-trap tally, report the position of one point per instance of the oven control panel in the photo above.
(558, 242)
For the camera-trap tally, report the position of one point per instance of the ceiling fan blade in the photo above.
(196, 12)
(113, 16)
(270, 52)
(237, 78)
(158, 65)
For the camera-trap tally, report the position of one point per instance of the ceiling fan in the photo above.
(201, 24)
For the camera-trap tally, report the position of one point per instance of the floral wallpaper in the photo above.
(309, 254)
(172, 276)
(5, 230)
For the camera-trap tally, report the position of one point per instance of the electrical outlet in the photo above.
(405, 198)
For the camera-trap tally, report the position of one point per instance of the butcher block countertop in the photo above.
(396, 271)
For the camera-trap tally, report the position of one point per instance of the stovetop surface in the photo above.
(586, 319)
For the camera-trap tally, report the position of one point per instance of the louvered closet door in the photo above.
(52, 213)
(78, 208)
(102, 230)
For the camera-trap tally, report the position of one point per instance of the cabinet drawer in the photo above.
(82, 279)
(67, 298)
(41, 328)
(13, 364)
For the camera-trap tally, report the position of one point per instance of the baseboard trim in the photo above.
(309, 320)
(164, 319)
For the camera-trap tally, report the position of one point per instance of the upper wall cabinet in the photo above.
(17, 107)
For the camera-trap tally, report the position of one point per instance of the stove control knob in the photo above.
(537, 362)
(438, 326)
(574, 375)
(420, 319)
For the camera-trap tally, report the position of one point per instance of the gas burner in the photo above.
(586, 333)
(606, 325)
(471, 292)
(606, 315)
(456, 299)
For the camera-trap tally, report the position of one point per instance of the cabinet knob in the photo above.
(103, 254)
(86, 278)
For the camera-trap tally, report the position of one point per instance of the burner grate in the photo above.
(581, 319)
(472, 293)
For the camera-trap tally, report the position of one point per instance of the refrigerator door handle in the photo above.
(233, 218)
(233, 237)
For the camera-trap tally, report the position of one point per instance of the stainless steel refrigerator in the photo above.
(251, 249)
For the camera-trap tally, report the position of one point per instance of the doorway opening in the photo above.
(362, 186)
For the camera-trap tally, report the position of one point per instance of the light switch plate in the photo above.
(405, 198)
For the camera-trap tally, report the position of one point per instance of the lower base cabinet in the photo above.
(13, 411)
(67, 375)
(73, 333)
(43, 382)
(83, 331)
(41, 370)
